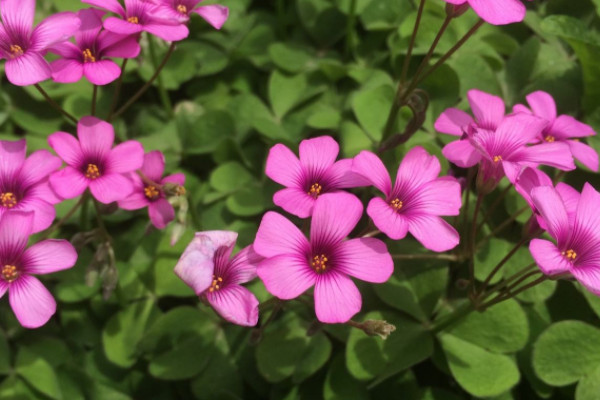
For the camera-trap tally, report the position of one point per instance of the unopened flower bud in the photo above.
(173, 189)
(456, 10)
(373, 327)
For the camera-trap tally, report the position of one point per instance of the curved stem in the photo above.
(502, 297)
(54, 104)
(495, 204)
(65, 218)
(472, 244)
(117, 91)
(94, 99)
(508, 281)
(501, 264)
(164, 95)
(411, 45)
(503, 225)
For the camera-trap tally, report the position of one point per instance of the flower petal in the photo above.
(3, 287)
(161, 212)
(295, 201)
(111, 5)
(487, 109)
(341, 176)
(286, 276)
(67, 148)
(550, 205)
(125, 157)
(122, 27)
(177, 178)
(441, 196)
(111, 187)
(38, 166)
(496, 13)
(337, 298)
(28, 69)
(548, 257)
(154, 165)
(49, 256)
(433, 232)
(386, 219)
(118, 46)
(17, 16)
(556, 154)
(236, 304)
(215, 14)
(43, 212)
(588, 276)
(170, 33)
(56, 28)
(66, 71)
(367, 259)
(371, 167)
(452, 121)
(101, 72)
(95, 136)
(12, 157)
(462, 153)
(565, 127)
(242, 267)
(584, 154)
(417, 168)
(15, 228)
(91, 25)
(277, 235)
(587, 217)
(334, 217)
(31, 302)
(318, 155)
(68, 183)
(284, 167)
(542, 105)
(570, 198)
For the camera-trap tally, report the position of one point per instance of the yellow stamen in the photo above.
(133, 20)
(315, 190)
(9, 273)
(319, 263)
(151, 192)
(182, 9)
(497, 158)
(8, 199)
(216, 284)
(92, 171)
(550, 139)
(570, 254)
(15, 51)
(88, 56)
(396, 204)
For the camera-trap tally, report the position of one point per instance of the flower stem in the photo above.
(472, 244)
(117, 91)
(94, 99)
(495, 204)
(448, 257)
(502, 226)
(502, 296)
(164, 95)
(54, 104)
(65, 218)
(143, 89)
(350, 29)
(411, 44)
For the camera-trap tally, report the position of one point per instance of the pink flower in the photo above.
(93, 163)
(88, 57)
(416, 201)
(140, 16)
(152, 195)
(561, 128)
(293, 264)
(496, 12)
(207, 268)
(314, 174)
(24, 182)
(181, 10)
(24, 47)
(577, 248)
(31, 302)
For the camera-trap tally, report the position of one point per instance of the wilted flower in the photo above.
(182, 10)
(496, 12)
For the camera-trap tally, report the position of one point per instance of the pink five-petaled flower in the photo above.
(24, 47)
(24, 182)
(207, 268)
(561, 128)
(140, 16)
(87, 56)
(577, 248)
(314, 174)
(30, 300)
(151, 193)
(293, 264)
(181, 10)
(416, 201)
(496, 12)
(93, 163)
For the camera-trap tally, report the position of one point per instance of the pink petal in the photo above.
(570, 198)
(334, 217)
(236, 304)
(337, 298)
(67, 148)
(12, 157)
(341, 176)
(565, 127)
(515, 130)
(242, 267)
(111, 187)
(49, 256)
(496, 13)
(154, 165)
(462, 153)
(367, 259)
(433, 232)
(122, 27)
(101, 72)
(38, 166)
(17, 15)
(66, 70)
(584, 154)
(277, 235)
(68, 183)
(441, 196)
(28, 69)
(548, 257)
(56, 28)
(286, 276)
(295, 201)
(66, 50)
(511, 170)
(318, 155)
(31, 302)
(136, 200)
(161, 212)
(111, 5)
(95, 136)
(3, 287)
(370, 166)
(588, 276)
(177, 178)
(44, 212)
(452, 121)
(520, 108)
(15, 228)
(528, 179)
(215, 15)
(417, 168)
(119, 46)
(386, 219)
(587, 218)
(170, 33)
(91, 25)
(125, 157)
(487, 109)
(42, 190)
(542, 105)
(556, 154)
(283, 166)
(549, 204)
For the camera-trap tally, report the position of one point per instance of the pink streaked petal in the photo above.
(119, 46)
(452, 121)
(68, 183)
(91, 25)
(340, 176)
(42, 190)
(548, 257)
(542, 105)
(286, 276)
(44, 212)
(570, 198)
(528, 179)
(66, 71)
(587, 217)
(588, 276)
(235, 304)
(334, 217)
(67, 147)
(177, 178)
(136, 200)
(15, 228)
(284, 167)
(441, 196)
(111, 187)
(495, 13)
(386, 219)
(122, 27)
(550, 205)
(38, 166)
(565, 127)
(154, 165)
(28, 69)
(66, 50)
(242, 267)
(125, 157)
(514, 131)
(521, 109)
(167, 11)
(56, 28)
(161, 212)
(12, 157)
(17, 15)
(370, 166)
(277, 235)
(111, 5)
(295, 201)
(433, 232)
(3, 287)
(49, 256)
(584, 154)
(31, 302)
(169, 33)
(487, 109)
(417, 168)
(101, 72)
(512, 170)
(96, 137)
(367, 259)
(556, 154)
(462, 153)
(337, 298)
(216, 15)
(456, 1)
(318, 155)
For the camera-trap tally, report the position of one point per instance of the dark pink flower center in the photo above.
(216, 284)
(8, 200)
(10, 273)
(319, 263)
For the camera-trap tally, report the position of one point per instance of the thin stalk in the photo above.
(501, 264)
(94, 99)
(65, 218)
(509, 280)
(54, 104)
(411, 44)
(472, 243)
(500, 298)
(117, 91)
(143, 89)
(350, 29)
(448, 257)
(502, 226)
(495, 204)
(101, 225)
(164, 95)
(470, 174)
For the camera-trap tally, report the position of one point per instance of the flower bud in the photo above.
(373, 327)
(173, 189)
(456, 10)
